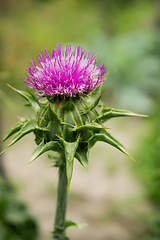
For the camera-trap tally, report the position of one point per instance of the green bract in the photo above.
(69, 126)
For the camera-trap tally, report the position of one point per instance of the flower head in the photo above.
(67, 73)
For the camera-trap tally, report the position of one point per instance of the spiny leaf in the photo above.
(83, 157)
(52, 116)
(88, 126)
(89, 117)
(44, 147)
(68, 106)
(42, 117)
(54, 129)
(108, 113)
(70, 149)
(69, 122)
(93, 102)
(28, 127)
(105, 132)
(77, 115)
(32, 102)
(14, 129)
(25, 95)
(108, 138)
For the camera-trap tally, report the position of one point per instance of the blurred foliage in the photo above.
(133, 63)
(153, 231)
(125, 16)
(147, 170)
(15, 222)
(148, 153)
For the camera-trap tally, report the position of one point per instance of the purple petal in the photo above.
(66, 72)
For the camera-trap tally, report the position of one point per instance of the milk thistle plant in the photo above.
(69, 116)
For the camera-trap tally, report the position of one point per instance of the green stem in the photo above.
(59, 226)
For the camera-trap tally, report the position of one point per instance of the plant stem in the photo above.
(59, 226)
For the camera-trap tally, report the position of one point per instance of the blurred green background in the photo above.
(126, 36)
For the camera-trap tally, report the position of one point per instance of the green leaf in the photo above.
(93, 101)
(14, 129)
(83, 157)
(32, 101)
(108, 113)
(54, 130)
(42, 117)
(69, 223)
(25, 95)
(68, 106)
(52, 116)
(44, 147)
(90, 117)
(88, 126)
(76, 112)
(28, 127)
(70, 150)
(108, 138)
(105, 132)
(69, 123)
(97, 90)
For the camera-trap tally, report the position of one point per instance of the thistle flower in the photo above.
(66, 73)
(71, 128)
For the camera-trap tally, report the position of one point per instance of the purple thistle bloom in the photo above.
(66, 72)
